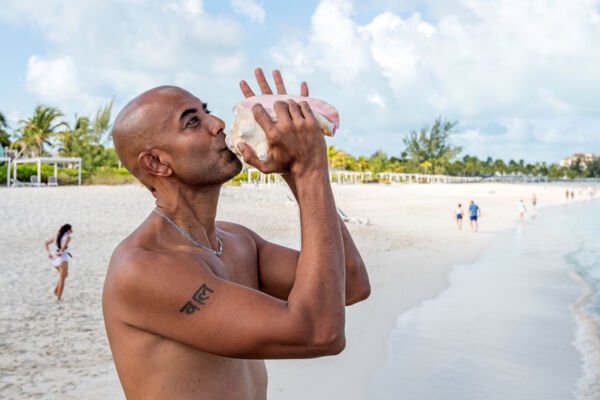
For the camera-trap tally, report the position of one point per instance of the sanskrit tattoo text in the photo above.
(199, 298)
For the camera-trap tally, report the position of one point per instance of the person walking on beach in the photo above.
(459, 216)
(567, 194)
(192, 306)
(60, 257)
(522, 209)
(534, 201)
(475, 213)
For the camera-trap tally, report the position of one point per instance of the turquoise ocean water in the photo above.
(522, 322)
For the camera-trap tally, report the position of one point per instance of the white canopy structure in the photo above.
(7, 159)
(47, 160)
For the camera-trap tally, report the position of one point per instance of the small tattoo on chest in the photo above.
(199, 298)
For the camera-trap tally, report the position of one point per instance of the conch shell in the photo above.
(246, 129)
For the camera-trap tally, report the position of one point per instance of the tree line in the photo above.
(428, 150)
(85, 137)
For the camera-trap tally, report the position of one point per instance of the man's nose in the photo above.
(217, 125)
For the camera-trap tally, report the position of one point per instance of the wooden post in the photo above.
(39, 172)
(79, 174)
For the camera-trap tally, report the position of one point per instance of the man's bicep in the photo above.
(193, 306)
(277, 268)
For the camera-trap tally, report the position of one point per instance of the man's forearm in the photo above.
(319, 286)
(357, 280)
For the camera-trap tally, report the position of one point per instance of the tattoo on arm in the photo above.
(199, 298)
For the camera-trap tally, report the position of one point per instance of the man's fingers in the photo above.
(279, 82)
(248, 154)
(304, 89)
(282, 111)
(262, 118)
(246, 89)
(262, 81)
(307, 112)
(294, 110)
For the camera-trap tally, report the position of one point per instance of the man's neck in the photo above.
(193, 209)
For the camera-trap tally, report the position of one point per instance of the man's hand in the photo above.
(264, 85)
(295, 140)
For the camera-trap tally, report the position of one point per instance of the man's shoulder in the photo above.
(239, 231)
(133, 262)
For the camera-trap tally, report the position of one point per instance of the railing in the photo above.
(353, 177)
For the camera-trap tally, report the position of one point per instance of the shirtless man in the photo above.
(185, 321)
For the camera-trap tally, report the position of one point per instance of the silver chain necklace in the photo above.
(188, 237)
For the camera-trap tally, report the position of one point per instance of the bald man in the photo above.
(192, 306)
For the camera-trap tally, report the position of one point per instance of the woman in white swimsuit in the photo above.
(60, 257)
(459, 216)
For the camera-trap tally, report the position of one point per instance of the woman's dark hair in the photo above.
(63, 229)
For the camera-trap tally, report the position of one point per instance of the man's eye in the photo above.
(192, 121)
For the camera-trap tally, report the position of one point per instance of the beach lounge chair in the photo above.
(346, 218)
(18, 183)
(35, 182)
(52, 181)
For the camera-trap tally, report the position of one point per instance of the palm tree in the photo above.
(73, 140)
(37, 130)
(101, 123)
(332, 153)
(4, 136)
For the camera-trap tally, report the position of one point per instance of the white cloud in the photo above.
(190, 7)
(376, 99)
(56, 82)
(520, 73)
(52, 79)
(96, 51)
(530, 62)
(249, 8)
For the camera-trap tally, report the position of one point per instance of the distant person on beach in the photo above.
(572, 194)
(459, 216)
(60, 257)
(534, 201)
(474, 214)
(191, 305)
(522, 209)
(567, 194)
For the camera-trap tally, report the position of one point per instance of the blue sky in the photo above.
(520, 76)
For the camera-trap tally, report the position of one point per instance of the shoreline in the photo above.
(388, 300)
(444, 355)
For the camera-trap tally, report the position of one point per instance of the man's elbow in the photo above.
(325, 337)
(330, 343)
(360, 294)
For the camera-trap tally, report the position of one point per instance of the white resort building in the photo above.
(585, 158)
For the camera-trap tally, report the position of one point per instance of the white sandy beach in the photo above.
(51, 349)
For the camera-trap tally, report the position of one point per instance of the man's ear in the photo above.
(149, 160)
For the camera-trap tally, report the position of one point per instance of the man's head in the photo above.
(168, 135)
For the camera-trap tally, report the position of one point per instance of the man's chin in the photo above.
(237, 167)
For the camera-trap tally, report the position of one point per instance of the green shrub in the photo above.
(111, 176)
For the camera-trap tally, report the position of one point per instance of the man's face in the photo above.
(195, 142)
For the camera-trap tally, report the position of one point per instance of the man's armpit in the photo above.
(199, 298)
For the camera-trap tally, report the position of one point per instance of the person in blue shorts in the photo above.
(459, 216)
(474, 212)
